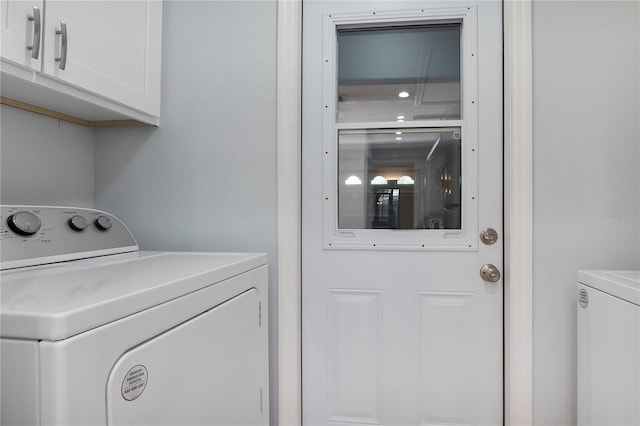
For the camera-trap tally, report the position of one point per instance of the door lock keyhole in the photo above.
(490, 273)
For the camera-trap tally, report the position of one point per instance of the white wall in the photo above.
(586, 174)
(206, 178)
(44, 161)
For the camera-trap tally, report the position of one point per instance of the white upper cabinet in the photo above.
(99, 59)
(21, 34)
(111, 48)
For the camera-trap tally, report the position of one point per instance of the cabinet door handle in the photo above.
(63, 46)
(37, 25)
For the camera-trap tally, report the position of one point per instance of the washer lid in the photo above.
(622, 284)
(58, 301)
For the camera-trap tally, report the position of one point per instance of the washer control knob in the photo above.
(103, 223)
(24, 223)
(78, 223)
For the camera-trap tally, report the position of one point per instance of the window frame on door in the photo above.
(464, 239)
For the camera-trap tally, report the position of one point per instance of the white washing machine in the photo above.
(608, 348)
(96, 332)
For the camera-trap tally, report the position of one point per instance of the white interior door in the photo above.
(402, 170)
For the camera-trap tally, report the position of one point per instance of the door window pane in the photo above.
(389, 74)
(399, 179)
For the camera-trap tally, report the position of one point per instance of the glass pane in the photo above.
(399, 179)
(408, 73)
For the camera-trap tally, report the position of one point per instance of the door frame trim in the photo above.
(518, 211)
(289, 184)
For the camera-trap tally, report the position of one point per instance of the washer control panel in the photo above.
(35, 235)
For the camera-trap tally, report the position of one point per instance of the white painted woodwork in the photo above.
(402, 337)
(17, 32)
(518, 208)
(445, 333)
(518, 259)
(354, 340)
(113, 69)
(466, 238)
(113, 49)
(289, 65)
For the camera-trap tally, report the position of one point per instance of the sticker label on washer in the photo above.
(583, 298)
(134, 383)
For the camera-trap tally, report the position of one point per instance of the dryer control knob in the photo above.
(78, 223)
(24, 223)
(103, 223)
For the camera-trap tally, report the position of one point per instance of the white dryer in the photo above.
(96, 332)
(608, 348)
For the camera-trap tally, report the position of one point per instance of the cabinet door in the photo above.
(113, 49)
(20, 33)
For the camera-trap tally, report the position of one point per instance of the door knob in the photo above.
(489, 273)
(489, 236)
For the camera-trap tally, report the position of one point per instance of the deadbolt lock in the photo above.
(490, 273)
(489, 236)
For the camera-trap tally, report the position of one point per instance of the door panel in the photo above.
(445, 357)
(398, 326)
(354, 338)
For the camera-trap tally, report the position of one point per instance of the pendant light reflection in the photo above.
(405, 180)
(353, 180)
(378, 180)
